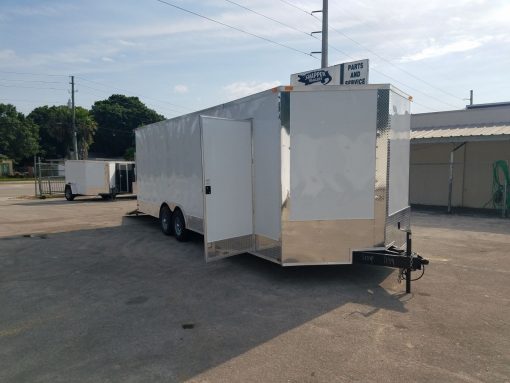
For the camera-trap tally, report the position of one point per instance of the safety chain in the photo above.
(401, 272)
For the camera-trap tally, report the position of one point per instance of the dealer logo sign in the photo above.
(315, 76)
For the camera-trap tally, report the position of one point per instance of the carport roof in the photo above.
(461, 134)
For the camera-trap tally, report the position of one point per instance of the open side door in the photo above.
(228, 195)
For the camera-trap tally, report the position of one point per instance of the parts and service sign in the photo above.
(351, 73)
(354, 73)
(324, 76)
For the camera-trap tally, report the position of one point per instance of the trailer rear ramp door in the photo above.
(228, 196)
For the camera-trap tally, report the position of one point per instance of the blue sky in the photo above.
(177, 62)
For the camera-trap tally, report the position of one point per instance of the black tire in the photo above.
(179, 226)
(165, 220)
(68, 193)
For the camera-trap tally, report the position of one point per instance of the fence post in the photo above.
(503, 206)
(450, 183)
(39, 176)
(49, 184)
(35, 175)
(450, 178)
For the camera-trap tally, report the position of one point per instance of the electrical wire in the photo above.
(237, 29)
(36, 81)
(31, 87)
(28, 101)
(130, 91)
(270, 18)
(391, 63)
(331, 46)
(33, 74)
(380, 57)
(295, 6)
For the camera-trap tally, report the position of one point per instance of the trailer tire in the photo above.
(68, 193)
(179, 226)
(165, 220)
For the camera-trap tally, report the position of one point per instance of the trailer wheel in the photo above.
(179, 226)
(165, 220)
(68, 193)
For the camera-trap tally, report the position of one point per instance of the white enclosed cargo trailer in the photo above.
(293, 175)
(104, 178)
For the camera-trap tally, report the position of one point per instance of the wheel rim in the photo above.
(178, 226)
(164, 222)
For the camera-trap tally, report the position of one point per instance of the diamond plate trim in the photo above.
(228, 247)
(393, 235)
(268, 248)
(381, 165)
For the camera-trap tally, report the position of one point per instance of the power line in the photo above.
(284, 24)
(236, 28)
(34, 74)
(129, 91)
(425, 106)
(37, 81)
(96, 92)
(270, 18)
(333, 47)
(28, 101)
(30, 87)
(295, 6)
(379, 56)
(306, 33)
(391, 63)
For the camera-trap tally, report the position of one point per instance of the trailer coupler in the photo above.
(403, 259)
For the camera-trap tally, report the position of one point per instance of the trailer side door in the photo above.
(227, 182)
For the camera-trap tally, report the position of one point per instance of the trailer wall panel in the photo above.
(333, 155)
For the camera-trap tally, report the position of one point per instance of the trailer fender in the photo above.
(70, 185)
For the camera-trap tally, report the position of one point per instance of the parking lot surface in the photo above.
(88, 294)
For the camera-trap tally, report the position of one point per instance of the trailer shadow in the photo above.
(128, 302)
(78, 200)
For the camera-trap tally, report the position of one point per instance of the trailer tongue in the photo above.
(405, 260)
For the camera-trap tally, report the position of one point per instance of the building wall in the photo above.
(472, 185)
(6, 167)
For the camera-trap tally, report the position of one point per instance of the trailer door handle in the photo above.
(207, 189)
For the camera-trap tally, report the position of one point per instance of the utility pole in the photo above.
(471, 97)
(324, 32)
(75, 135)
(324, 60)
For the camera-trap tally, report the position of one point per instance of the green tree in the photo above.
(117, 117)
(56, 130)
(19, 136)
(129, 154)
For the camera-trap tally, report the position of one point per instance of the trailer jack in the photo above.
(405, 260)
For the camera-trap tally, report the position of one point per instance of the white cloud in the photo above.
(7, 54)
(107, 59)
(180, 88)
(244, 88)
(441, 50)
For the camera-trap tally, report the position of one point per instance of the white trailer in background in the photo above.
(294, 175)
(104, 178)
